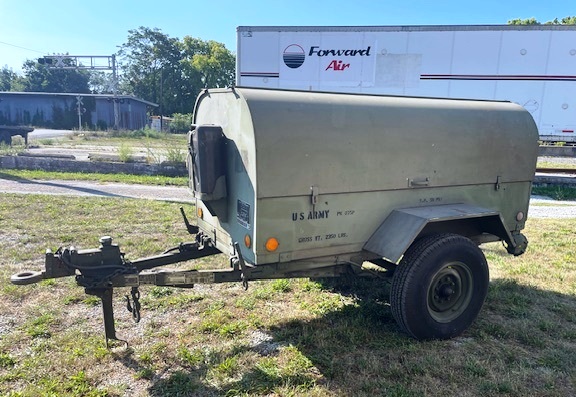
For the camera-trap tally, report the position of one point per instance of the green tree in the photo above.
(210, 61)
(533, 21)
(150, 64)
(8, 79)
(171, 72)
(518, 21)
(41, 78)
(568, 20)
(101, 82)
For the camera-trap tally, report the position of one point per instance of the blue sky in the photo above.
(32, 28)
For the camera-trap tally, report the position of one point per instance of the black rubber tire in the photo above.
(439, 287)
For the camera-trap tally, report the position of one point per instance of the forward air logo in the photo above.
(294, 56)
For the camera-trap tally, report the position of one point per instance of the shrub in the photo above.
(180, 123)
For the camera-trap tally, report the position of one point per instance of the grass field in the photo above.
(279, 338)
(157, 180)
(143, 138)
(153, 146)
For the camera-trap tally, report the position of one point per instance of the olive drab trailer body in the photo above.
(321, 172)
(532, 65)
(317, 184)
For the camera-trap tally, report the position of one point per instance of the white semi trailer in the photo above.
(534, 66)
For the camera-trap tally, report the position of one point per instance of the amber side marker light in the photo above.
(272, 244)
(247, 241)
(200, 213)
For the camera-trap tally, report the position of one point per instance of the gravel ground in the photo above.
(545, 207)
(558, 160)
(540, 207)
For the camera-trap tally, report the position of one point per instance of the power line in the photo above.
(23, 48)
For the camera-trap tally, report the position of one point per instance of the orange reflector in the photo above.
(247, 241)
(272, 244)
(200, 213)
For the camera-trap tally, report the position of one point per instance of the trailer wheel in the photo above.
(439, 287)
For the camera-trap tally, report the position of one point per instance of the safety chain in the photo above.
(134, 307)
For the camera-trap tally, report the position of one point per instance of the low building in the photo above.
(70, 111)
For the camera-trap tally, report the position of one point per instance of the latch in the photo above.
(497, 185)
(418, 182)
(314, 194)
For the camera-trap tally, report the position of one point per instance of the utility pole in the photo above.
(115, 92)
(89, 62)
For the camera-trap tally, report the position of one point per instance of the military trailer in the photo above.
(311, 184)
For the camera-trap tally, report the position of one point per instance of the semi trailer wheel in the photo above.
(439, 286)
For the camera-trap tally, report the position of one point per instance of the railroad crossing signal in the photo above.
(91, 62)
(79, 107)
(55, 61)
(45, 61)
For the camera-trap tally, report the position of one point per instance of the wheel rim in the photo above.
(450, 292)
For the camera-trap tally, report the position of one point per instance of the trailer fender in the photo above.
(403, 226)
